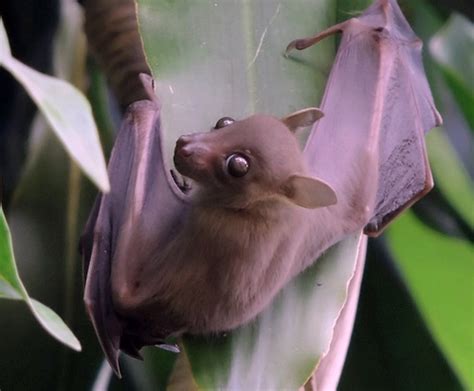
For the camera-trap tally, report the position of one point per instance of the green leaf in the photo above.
(218, 58)
(53, 324)
(440, 273)
(67, 111)
(11, 287)
(8, 292)
(290, 338)
(391, 347)
(450, 174)
(452, 48)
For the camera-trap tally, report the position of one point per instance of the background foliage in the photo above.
(416, 315)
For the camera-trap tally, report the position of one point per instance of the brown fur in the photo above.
(237, 246)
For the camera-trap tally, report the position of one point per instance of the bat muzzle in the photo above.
(192, 158)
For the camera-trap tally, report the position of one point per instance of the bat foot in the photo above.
(182, 182)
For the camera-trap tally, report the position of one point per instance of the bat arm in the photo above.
(382, 9)
(303, 43)
(149, 86)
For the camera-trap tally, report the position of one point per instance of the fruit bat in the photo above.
(162, 258)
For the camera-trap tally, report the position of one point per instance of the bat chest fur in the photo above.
(234, 268)
(223, 269)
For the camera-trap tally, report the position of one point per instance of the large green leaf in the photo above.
(67, 111)
(11, 287)
(392, 348)
(291, 337)
(217, 58)
(440, 273)
(450, 174)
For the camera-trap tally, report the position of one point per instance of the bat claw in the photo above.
(169, 347)
(372, 229)
(289, 48)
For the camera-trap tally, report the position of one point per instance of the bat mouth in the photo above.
(186, 167)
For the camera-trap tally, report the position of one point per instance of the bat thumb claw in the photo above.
(149, 86)
(291, 46)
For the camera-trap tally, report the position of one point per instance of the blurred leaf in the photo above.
(450, 148)
(11, 287)
(425, 20)
(7, 291)
(440, 273)
(392, 348)
(53, 324)
(452, 48)
(281, 349)
(450, 174)
(456, 127)
(67, 111)
(4, 46)
(437, 212)
(159, 363)
(103, 378)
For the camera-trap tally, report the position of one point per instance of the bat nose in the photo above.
(192, 157)
(183, 147)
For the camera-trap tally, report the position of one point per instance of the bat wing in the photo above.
(370, 144)
(141, 210)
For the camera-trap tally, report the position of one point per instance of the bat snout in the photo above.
(183, 147)
(191, 158)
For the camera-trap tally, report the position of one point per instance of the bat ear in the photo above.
(302, 118)
(309, 192)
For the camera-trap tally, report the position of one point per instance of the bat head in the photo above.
(240, 164)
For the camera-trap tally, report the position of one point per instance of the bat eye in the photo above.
(223, 122)
(237, 165)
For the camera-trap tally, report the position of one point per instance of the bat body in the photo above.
(238, 242)
(160, 261)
